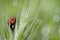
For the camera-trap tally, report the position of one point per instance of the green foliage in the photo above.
(36, 19)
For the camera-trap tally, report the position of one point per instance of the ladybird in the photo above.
(12, 22)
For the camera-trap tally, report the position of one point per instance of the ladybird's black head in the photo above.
(12, 27)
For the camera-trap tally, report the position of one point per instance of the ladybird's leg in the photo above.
(11, 27)
(14, 24)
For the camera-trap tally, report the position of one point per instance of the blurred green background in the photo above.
(36, 19)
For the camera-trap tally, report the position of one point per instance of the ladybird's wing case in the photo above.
(10, 20)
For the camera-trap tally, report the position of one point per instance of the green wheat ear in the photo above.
(35, 19)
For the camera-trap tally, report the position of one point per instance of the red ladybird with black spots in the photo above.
(12, 22)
